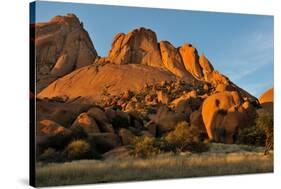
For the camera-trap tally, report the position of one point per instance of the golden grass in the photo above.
(163, 166)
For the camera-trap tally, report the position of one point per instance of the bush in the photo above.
(251, 136)
(186, 137)
(260, 134)
(144, 147)
(78, 149)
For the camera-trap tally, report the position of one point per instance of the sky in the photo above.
(238, 45)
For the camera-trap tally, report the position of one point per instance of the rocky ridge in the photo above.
(142, 88)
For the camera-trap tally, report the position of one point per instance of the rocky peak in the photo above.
(190, 60)
(172, 60)
(62, 45)
(70, 19)
(138, 46)
(205, 64)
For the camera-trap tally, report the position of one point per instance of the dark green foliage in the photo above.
(251, 136)
(260, 134)
(265, 123)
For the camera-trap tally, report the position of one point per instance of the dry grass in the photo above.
(221, 160)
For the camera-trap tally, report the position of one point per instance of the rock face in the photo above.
(135, 60)
(205, 65)
(223, 116)
(136, 47)
(190, 59)
(172, 60)
(62, 45)
(267, 99)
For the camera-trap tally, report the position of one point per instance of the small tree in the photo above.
(265, 123)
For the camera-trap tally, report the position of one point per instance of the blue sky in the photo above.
(238, 45)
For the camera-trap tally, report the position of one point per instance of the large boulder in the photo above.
(87, 123)
(167, 120)
(49, 127)
(104, 141)
(138, 46)
(266, 100)
(61, 113)
(98, 114)
(62, 45)
(220, 115)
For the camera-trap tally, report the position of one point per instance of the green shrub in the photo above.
(186, 137)
(265, 123)
(260, 134)
(144, 147)
(251, 136)
(78, 149)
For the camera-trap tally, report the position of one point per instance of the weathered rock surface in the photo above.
(104, 141)
(89, 82)
(49, 127)
(172, 60)
(87, 123)
(62, 45)
(167, 120)
(223, 116)
(137, 47)
(190, 59)
(205, 65)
